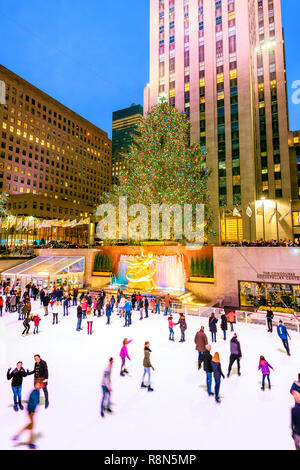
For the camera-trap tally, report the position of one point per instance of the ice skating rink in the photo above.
(177, 415)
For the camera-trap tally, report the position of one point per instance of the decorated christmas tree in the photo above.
(161, 165)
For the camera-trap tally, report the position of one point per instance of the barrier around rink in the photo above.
(292, 322)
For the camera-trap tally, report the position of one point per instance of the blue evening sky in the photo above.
(93, 55)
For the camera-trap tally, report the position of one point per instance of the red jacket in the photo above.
(36, 320)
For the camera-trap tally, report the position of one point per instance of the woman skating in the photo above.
(224, 325)
(264, 366)
(123, 355)
(147, 366)
(89, 319)
(217, 371)
(213, 327)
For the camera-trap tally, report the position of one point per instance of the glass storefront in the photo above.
(262, 294)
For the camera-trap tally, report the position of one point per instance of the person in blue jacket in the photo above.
(128, 310)
(108, 311)
(283, 335)
(33, 402)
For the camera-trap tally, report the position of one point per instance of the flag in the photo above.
(249, 211)
(236, 212)
(73, 223)
(259, 210)
(66, 223)
(272, 215)
(2, 92)
(285, 215)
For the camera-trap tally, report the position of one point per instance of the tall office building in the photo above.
(123, 127)
(223, 63)
(53, 163)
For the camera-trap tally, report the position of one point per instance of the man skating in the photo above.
(106, 388)
(17, 376)
(283, 335)
(40, 372)
(235, 354)
(33, 402)
(200, 341)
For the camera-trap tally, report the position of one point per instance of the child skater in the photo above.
(265, 368)
(171, 326)
(123, 355)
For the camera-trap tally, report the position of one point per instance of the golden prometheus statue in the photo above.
(141, 270)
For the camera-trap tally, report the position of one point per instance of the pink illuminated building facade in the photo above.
(223, 64)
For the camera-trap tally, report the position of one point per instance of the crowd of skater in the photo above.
(57, 301)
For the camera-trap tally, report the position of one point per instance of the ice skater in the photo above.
(207, 358)
(224, 325)
(26, 324)
(217, 371)
(171, 328)
(200, 341)
(79, 318)
(33, 402)
(17, 376)
(55, 309)
(89, 319)
(147, 366)
(296, 425)
(295, 390)
(106, 389)
(128, 310)
(36, 321)
(40, 372)
(213, 327)
(231, 318)
(235, 354)
(265, 367)
(123, 355)
(270, 316)
(183, 327)
(108, 311)
(283, 335)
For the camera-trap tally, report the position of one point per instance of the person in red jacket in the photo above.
(36, 320)
(1, 306)
(231, 318)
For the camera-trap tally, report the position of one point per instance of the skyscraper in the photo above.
(123, 127)
(223, 64)
(53, 162)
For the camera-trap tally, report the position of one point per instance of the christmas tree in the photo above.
(161, 165)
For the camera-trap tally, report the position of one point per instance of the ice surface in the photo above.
(177, 415)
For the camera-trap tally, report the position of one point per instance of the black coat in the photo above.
(16, 376)
(43, 370)
(79, 311)
(223, 322)
(46, 300)
(213, 324)
(216, 367)
(207, 357)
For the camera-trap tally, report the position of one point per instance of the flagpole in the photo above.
(264, 233)
(250, 225)
(225, 226)
(277, 226)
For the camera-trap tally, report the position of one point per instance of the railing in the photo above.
(241, 316)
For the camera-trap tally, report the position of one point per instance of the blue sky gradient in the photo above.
(93, 56)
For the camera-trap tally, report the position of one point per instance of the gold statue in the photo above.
(141, 270)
